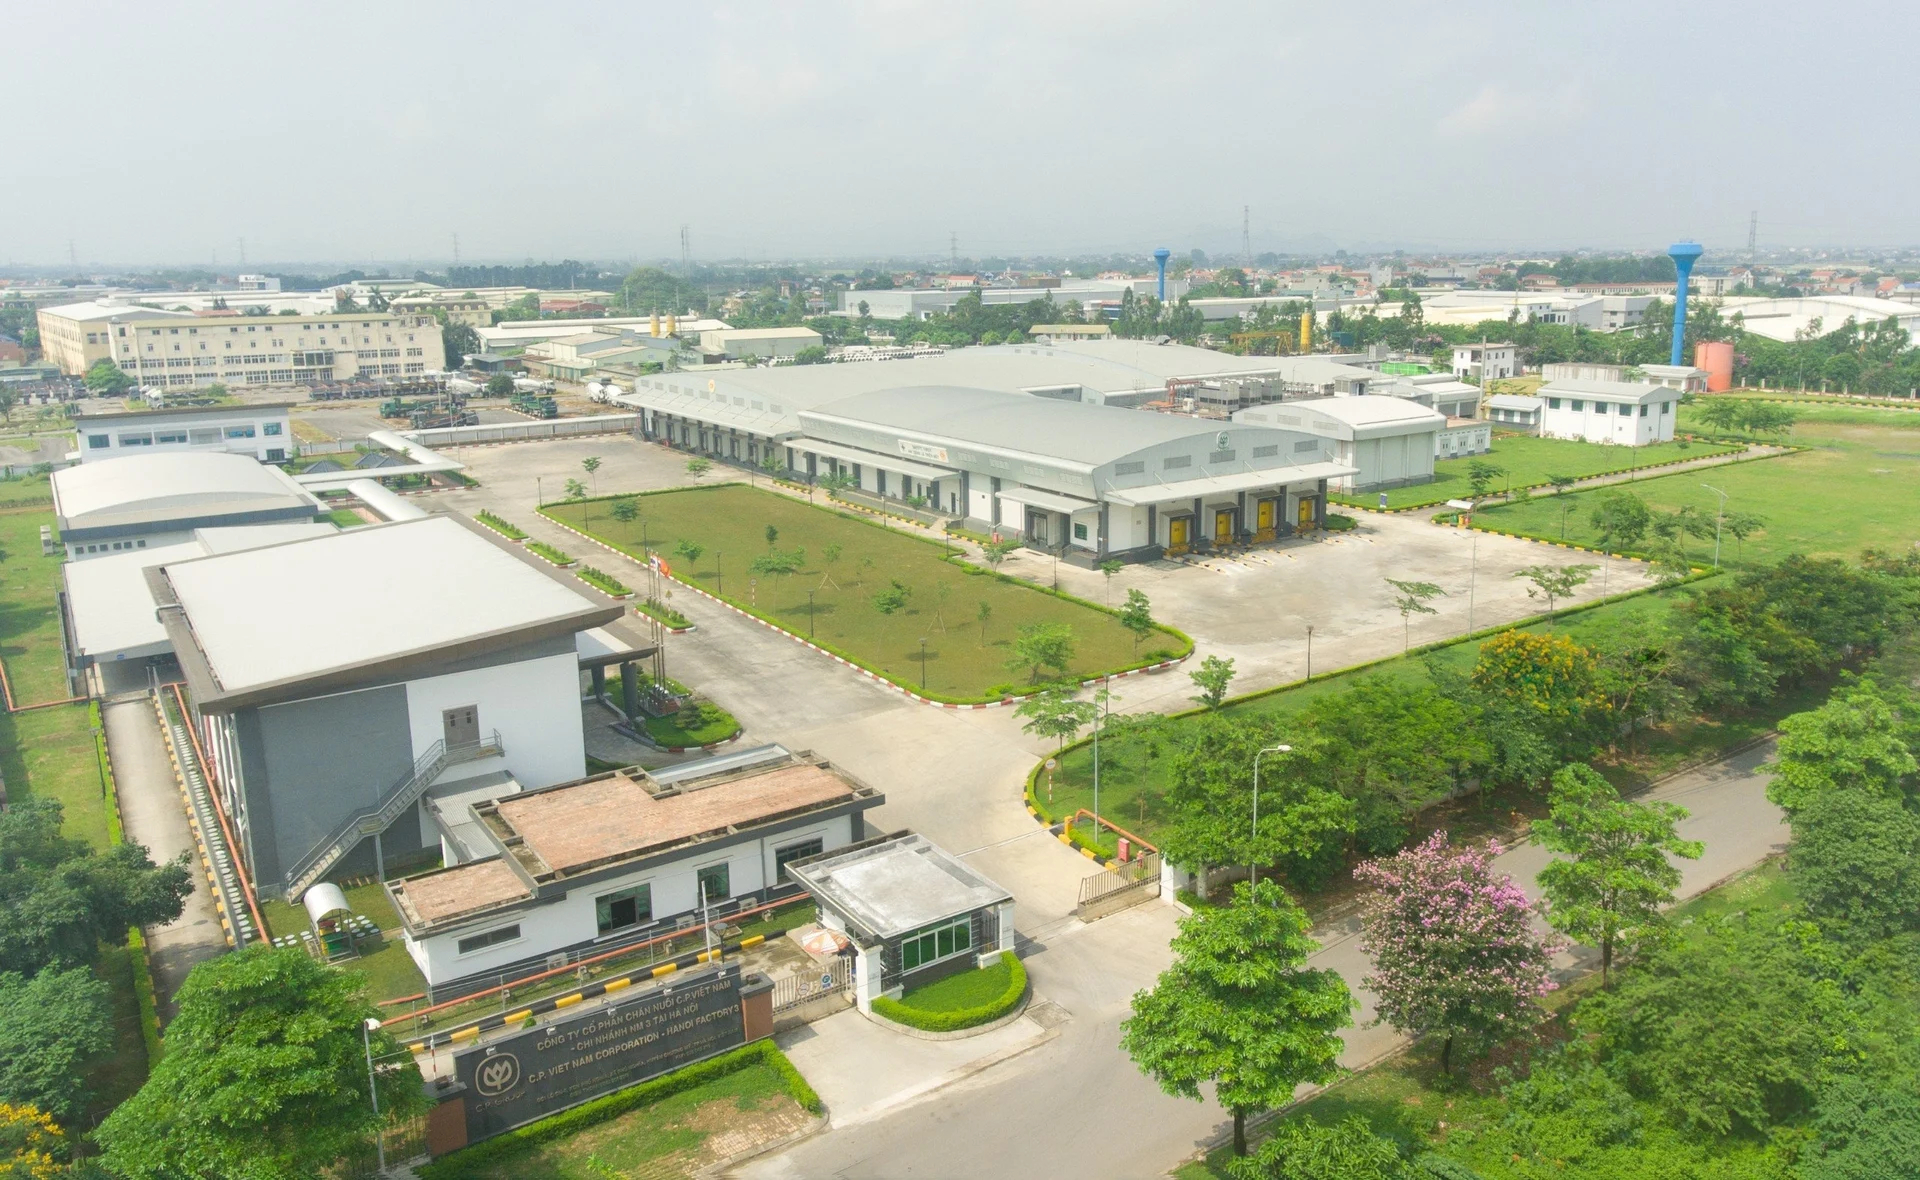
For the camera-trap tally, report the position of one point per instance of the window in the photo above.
(480, 942)
(170, 436)
(624, 908)
(202, 437)
(714, 882)
(98, 442)
(1177, 461)
(1079, 532)
(240, 432)
(276, 455)
(782, 857)
(270, 428)
(1643, 411)
(1666, 408)
(1134, 468)
(1220, 457)
(142, 439)
(1578, 405)
(1553, 403)
(1626, 410)
(1271, 450)
(1306, 444)
(930, 944)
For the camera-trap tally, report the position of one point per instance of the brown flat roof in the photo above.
(613, 818)
(463, 889)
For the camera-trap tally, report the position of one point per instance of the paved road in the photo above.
(1077, 1107)
(151, 808)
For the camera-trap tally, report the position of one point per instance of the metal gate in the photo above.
(1122, 884)
(832, 979)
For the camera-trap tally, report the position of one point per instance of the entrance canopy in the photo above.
(1228, 484)
(848, 454)
(1051, 501)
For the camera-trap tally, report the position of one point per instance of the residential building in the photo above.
(149, 501)
(594, 864)
(1479, 363)
(1609, 412)
(259, 431)
(174, 350)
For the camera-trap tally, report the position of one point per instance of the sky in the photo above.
(362, 132)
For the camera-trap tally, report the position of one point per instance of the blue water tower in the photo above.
(1684, 255)
(1160, 257)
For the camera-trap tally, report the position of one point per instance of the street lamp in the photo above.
(367, 1029)
(1253, 870)
(923, 663)
(1100, 703)
(1465, 509)
(1309, 653)
(810, 614)
(1720, 516)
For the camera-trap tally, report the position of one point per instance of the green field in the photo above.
(1134, 774)
(389, 971)
(50, 753)
(1858, 486)
(964, 660)
(1529, 462)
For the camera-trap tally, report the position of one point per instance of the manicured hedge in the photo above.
(547, 551)
(926, 1021)
(603, 581)
(511, 532)
(466, 1162)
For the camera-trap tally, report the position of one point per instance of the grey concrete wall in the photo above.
(311, 764)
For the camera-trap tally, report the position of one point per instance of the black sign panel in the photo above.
(547, 1069)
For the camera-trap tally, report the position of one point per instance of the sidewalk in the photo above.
(152, 814)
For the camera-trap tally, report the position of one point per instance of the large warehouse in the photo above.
(1387, 441)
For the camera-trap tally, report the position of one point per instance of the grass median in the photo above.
(1527, 462)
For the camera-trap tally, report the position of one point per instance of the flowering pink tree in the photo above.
(1454, 949)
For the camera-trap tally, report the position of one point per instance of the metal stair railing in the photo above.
(426, 768)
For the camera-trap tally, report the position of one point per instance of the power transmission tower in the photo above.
(1246, 236)
(1753, 236)
(686, 252)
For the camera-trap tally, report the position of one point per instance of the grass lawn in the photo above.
(1529, 461)
(389, 971)
(29, 612)
(1858, 487)
(965, 659)
(346, 518)
(716, 725)
(669, 1138)
(1406, 1098)
(1134, 775)
(962, 990)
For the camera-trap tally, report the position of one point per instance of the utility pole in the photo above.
(686, 252)
(456, 249)
(1753, 236)
(1246, 237)
(953, 252)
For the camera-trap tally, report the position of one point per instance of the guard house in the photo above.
(914, 911)
(586, 867)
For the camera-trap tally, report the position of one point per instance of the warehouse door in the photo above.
(1177, 534)
(1223, 526)
(1306, 513)
(461, 727)
(1263, 520)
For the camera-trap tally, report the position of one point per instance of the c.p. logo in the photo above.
(497, 1074)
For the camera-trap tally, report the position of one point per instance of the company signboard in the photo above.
(920, 450)
(547, 1069)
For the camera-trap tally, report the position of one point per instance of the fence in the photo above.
(1119, 887)
(458, 436)
(833, 981)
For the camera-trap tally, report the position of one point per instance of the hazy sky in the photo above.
(150, 133)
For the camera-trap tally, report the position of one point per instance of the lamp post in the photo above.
(810, 614)
(1253, 870)
(373, 1091)
(1465, 509)
(923, 663)
(1309, 653)
(1718, 517)
(539, 491)
(1100, 699)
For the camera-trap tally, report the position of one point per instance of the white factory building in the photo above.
(1387, 441)
(1786, 319)
(259, 431)
(148, 501)
(1609, 412)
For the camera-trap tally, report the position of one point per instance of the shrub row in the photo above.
(549, 552)
(654, 608)
(601, 580)
(925, 1021)
(511, 532)
(476, 1161)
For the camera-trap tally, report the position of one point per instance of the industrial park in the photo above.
(761, 601)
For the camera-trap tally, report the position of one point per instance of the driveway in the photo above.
(154, 815)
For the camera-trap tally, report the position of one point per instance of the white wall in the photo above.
(81, 551)
(572, 920)
(979, 499)
(1601, 422)
(535, 704)
(261, 431)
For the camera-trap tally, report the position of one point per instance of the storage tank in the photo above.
(1716, 357)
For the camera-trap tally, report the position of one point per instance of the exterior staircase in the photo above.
(426, 770)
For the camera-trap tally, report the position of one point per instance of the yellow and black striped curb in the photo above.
(199, 837)
(1062, 836)
(471, 1032)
